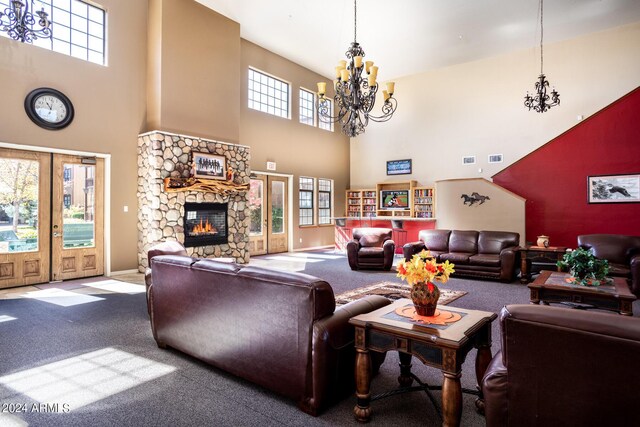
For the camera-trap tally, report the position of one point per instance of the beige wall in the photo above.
(109, 104)
(504, 211)
(477, 108)
(297, 149)
(194, 79)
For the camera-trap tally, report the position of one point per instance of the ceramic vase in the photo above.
(543, 241)
(425, 298)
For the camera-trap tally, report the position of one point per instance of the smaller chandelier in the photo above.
(541, 101)
(356, 89)
(18, 22)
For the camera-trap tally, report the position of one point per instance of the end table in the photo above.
(539, 255)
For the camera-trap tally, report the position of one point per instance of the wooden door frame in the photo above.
(107, 191)
(289, 203)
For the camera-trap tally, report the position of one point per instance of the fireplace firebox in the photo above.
(205, 224)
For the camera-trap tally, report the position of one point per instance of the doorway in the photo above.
(51, 217)
(268, 202)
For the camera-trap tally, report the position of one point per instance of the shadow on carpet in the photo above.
(393, 291)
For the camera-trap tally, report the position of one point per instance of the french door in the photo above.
(51, 217)
(268, 231)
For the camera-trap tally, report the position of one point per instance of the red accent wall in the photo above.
(553, 178)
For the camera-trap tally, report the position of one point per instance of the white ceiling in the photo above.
(406, 37)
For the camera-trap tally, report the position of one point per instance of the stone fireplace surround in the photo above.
(160, 213)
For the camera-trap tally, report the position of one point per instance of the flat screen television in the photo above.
(394, 199)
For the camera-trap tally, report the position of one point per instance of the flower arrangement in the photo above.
(585, 268)
(420, 273)
(423, 268)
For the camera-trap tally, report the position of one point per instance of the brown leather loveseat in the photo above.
(484, 254)
(622, 252)
(371, 248)
(280, 330)
(561, 367)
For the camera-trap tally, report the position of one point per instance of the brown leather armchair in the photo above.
(563, 367)
(371, 248)
(622, 252)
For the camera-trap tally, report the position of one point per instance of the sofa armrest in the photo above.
(635, 274)
(353, 246)
(509, 258)
(494, 390)
(389, 249)
(412, 248)
(333, 352)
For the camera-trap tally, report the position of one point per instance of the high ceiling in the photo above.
(411, 36)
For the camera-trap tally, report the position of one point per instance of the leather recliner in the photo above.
(563, 367)
(371, 248)
(622, 252)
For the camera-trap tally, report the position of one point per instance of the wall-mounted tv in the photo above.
(394, 199)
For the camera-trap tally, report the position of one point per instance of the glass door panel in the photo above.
(256, 207)
(277, 207)
(78, 206)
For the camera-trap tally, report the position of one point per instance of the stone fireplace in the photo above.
(209, 223)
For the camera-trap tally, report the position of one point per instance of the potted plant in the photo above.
(585, 268)
(420, 273)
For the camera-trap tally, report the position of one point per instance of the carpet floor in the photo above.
(89, 345)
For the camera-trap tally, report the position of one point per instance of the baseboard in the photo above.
(121, 272)
(314, 248)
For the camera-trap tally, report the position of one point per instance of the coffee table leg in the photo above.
(451, 400)
(362, 410)
(405, 378)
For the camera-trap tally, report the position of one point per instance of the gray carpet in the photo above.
(194, 393)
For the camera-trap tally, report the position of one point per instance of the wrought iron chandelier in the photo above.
(541, 102)
(18, 22)
(356, 89)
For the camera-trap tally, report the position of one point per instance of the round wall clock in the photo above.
(49, 108)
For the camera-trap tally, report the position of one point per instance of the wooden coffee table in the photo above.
(551, 286)
(441, 346)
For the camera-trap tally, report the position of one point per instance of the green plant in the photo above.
(585, 267)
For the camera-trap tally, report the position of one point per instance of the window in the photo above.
(306, 201)
(326, 125)
(324, 201)
(268, 94)
(78, 28)
(307, 110)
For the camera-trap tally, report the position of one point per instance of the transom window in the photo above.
(326, 125)
(77, 28)
(268, 94)
(324, 201)
(307, 110)
(306, 200)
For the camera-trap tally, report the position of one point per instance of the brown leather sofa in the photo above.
(371, 248)
(483, 254)
(162, 248)
(561, 367)
(280, 330)
(622, 252)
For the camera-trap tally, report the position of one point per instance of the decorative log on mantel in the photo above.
(172, 185)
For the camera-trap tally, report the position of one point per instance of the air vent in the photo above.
(469, 160)
(495, 158)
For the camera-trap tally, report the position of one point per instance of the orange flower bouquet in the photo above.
(420, 273)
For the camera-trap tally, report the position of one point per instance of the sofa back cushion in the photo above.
(463, 241)
(435, 240)
(372, 237)
(615, 248)
(492, 242)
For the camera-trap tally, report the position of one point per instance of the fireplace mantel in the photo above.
(208, 185)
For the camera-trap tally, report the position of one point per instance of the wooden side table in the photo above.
(440, 346)
(539, 255)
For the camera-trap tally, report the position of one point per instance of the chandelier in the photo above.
(356, 89)
(541, 101)
(18, 22)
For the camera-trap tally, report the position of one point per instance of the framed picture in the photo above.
(614, 188)
(399, 167)
(209, 166)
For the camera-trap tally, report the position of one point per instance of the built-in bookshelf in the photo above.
(361, 203)
(424, 202)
